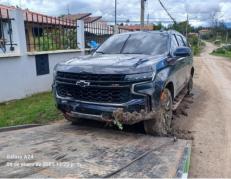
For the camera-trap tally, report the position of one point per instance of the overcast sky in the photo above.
(199, 11)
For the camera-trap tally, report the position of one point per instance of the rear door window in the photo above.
(174, 43)
(180, 41)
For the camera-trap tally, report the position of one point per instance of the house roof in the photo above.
(92, 19)
(4, 10)
(204, 30)
(136, 27)
(66, 20)
(30, 16)
(78, 16)
(82, 16)
(34, 17)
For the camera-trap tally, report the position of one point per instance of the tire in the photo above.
(161, 124)
(74, 121)
(190, 85)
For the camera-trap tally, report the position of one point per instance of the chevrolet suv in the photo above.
(131, 77)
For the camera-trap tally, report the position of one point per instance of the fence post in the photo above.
(80, 35)
(18, 30)
(116, 29)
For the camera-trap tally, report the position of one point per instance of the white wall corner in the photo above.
(18, 31)
(80, 35)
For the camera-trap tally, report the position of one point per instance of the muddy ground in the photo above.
(206, 116)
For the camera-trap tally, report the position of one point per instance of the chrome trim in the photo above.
(88, 102)
(86, 116)
(101, 86)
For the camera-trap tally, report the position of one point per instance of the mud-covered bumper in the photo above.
(142, 103)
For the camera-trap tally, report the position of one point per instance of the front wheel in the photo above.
(160, 125)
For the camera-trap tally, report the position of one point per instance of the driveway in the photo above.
(63, 150)
(208, 118)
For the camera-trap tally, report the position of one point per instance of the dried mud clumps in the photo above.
(132, 117)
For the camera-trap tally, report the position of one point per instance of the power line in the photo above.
(167, 12)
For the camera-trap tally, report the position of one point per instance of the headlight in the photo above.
(140, 76)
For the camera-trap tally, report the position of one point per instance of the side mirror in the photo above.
(182, 52)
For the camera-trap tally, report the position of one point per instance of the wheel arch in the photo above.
(170, 87)
(192, 71)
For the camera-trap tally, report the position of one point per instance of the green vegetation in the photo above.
(196, 44)
(194, 41)
(224, 51)
(55, 39)
(39, 109)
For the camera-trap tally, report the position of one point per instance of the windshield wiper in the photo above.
(100, 52)
(132, 53)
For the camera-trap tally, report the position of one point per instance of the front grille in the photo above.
(107, 95)
(103, 88)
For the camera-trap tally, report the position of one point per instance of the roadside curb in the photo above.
(183, 168)
(11, 128)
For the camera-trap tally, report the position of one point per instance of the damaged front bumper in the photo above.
(133, 111)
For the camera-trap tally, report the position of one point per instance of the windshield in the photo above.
(137, 43)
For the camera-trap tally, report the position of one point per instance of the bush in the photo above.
(220, 50)
(227, 47)
(194, 41)
(217, 42)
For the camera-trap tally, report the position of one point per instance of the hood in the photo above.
(110, 64)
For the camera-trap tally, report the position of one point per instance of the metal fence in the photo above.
(6, 41)
(45, 33)
(97, 31)
(122, 30)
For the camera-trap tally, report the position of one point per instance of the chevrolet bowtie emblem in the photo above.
(82, 83)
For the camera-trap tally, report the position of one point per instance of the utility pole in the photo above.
(186, 29)
(142, 14)
(68, 9)
(115, 11)
(187, 23)
(227, 35)
(167, 12)
(148, 19)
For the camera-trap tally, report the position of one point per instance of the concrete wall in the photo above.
(18, 77)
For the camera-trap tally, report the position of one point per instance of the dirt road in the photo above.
(208, 118)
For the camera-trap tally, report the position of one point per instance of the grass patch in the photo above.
(224, 51)
(36, 109)
(228, 54)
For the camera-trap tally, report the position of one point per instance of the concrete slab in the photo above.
(63, 150)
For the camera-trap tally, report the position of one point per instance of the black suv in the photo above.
(131, 77)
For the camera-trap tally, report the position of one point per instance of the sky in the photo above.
(200, 12)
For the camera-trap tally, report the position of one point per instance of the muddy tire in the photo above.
(160, 125)
(190, 85)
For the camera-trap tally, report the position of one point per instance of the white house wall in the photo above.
(18, 77)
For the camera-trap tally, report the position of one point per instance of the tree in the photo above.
(181, 27)
(159, 26)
